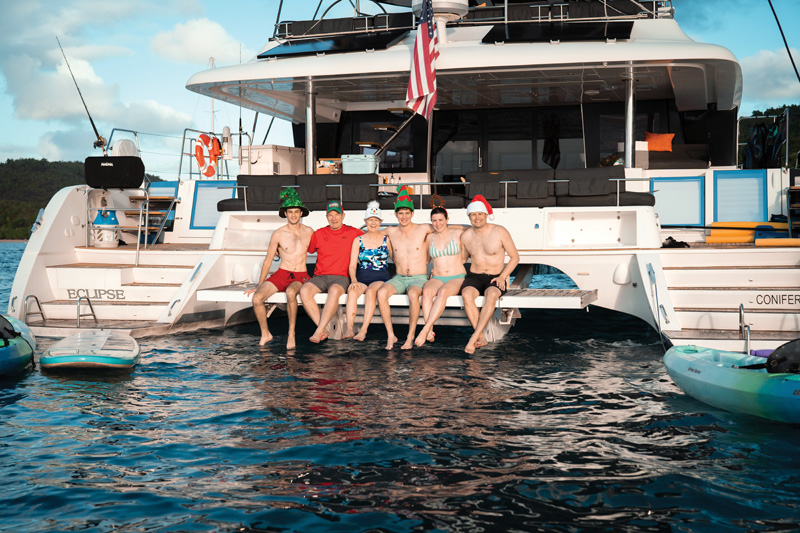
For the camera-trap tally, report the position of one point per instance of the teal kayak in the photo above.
(712, 376)
(17, 344)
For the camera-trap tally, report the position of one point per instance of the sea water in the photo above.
(570, 423)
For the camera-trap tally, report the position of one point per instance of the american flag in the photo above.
(421, 95)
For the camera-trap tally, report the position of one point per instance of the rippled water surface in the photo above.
(569, 424)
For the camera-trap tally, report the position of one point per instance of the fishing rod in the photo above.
(100, 142)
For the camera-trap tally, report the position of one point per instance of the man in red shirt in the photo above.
(332, 245)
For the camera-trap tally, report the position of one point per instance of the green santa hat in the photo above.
(403, 199)
(289, 198)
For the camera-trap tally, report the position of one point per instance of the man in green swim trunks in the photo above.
(408, 245)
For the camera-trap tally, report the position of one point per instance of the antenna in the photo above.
(100, 142)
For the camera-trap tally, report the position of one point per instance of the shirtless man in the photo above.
(332, 245)
(411, 262)
(487, 246)
(290, 242)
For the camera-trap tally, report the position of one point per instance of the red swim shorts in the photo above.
(283, 278)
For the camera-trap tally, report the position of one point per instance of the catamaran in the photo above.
(597, 130)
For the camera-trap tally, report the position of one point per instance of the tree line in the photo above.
(27, 185)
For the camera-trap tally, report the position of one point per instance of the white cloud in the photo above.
(99, 39)
(770, 78)
(198, 40)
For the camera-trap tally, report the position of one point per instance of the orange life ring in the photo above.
(211, 145)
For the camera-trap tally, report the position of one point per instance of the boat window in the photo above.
(364, 132)
(456, 138)
(508, 138)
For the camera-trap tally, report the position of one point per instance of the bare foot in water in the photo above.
(390, 342)
(290, 342)
(348, 334)
(318, 336)
(361, 335)
(422, 338)
(408, 344)
(265, 339)
(475, 342)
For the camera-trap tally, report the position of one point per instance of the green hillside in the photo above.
(27, 185)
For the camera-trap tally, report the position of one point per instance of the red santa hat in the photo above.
(480, 205)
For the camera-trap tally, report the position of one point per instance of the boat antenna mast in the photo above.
(100, 142)
(786, 44)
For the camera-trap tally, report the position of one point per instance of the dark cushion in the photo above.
(487, 184)
(681, 156)
(312, 190)
(589, 181)
(231, 204)
(625, 199)
(387, 201)
(530, 183)
(357, 189)
(263, 191)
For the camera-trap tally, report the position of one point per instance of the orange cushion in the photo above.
(659, 142)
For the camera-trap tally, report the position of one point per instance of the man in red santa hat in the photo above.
(487, 246)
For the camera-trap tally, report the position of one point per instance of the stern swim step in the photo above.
(514, 298)
(104, 310)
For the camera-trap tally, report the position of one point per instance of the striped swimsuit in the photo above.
(452, 248)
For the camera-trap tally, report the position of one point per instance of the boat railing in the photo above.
(505, 13)
(191, 155)
(89, 314)
(744, 330)
(26, 313)
(142, 225)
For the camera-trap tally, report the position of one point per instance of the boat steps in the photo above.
(728, 319)
(78, 275)
(773, 299)
(104, 309)
(734, 277)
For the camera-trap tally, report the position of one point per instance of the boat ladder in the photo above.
(27, 313)
(90, 313)
(744, 330)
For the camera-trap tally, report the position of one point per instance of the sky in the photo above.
(132, 59)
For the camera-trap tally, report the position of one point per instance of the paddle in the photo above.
(785, 359)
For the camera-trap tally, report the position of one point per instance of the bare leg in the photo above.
(264, 291)
(447, 290)
(291, 310)
(414, 294)
(353, 292)
(307, 293)
(331, 306)
(384, 293)
(428, 294)
(477, 340)
(473, 314)
(369, 308)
